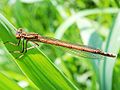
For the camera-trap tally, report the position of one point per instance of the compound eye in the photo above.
(19, 31)
(18, 34)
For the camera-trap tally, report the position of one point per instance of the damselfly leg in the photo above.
(29, 48)
(25, 47)
(14, 44)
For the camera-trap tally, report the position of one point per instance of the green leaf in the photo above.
(7, 84)
(34, 64)
(112, 45)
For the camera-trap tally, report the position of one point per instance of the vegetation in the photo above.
(91, 22)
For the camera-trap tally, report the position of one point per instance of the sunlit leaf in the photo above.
(34, 64)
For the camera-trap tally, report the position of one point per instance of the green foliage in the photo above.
(47, 67)
(4, 86)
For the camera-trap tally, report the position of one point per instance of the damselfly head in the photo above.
(18, 33)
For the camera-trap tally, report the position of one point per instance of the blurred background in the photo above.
(85, 22)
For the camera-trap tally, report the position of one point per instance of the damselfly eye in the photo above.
(18, 33)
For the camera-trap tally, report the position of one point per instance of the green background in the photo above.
(95, 23)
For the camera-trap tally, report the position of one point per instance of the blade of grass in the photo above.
(11, 85)
(35, 65)
(96, 41)
(112, 45)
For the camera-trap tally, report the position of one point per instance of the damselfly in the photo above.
(34, 37)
